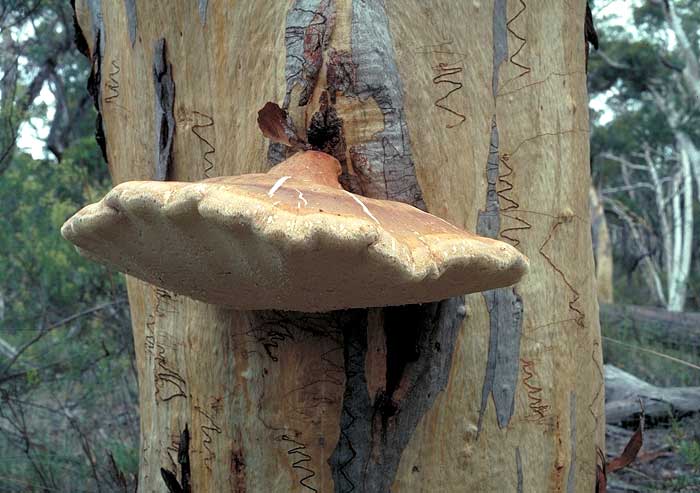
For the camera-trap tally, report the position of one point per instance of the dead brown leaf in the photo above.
(631, 449)
(276, 126)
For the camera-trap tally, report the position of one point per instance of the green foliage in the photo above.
(70, 372)
(690, 451)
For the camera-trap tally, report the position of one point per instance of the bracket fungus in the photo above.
(289, 239)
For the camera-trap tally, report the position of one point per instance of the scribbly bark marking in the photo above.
(209, 149)
(447, 74)
(580, 317)
(522, 66)
(536, 403)
(113, 83)
(296, 452)
(208, 429)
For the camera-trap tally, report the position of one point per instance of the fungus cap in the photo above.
(290, 239)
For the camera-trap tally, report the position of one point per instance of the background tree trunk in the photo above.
(602, 249)
(475, 111)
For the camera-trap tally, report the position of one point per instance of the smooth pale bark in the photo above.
(475, 111)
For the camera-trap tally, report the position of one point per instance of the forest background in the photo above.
(68, 396)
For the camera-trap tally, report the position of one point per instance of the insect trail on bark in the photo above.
(211, 149)
(207, 440)
(511, 204)
(580, 316)
(443, 78)
(534, 393)
(113, 83)
(298, 450)
(525, 69)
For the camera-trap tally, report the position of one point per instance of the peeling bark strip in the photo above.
(93, 88)
(571, 480)
(203, 11)
(131, 19)
(95, 78)
(165, 101)
(387, 164)
(78, 35)
(374, 430)
(504, 305)
(500, 40)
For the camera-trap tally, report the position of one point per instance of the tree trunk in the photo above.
(492, 136)
(602, 249)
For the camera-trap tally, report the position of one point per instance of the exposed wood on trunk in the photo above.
(263, 393)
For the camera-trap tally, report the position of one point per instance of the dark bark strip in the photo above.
(519, 470)
(165, 119)
(374, 430)
(183, 458)
(95, 78)
(131, 20)
(504, 305)
(79, 37)
(571, 480)
(93, 86)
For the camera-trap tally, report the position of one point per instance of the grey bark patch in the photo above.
(571, 480)
(164, 106)
(308, 32)
(131, 19)
(98, 34)
(500, 40)
(386, 162)
(309, 25)
(519, 470)
(374, 430)
(203, 4)
(504, 305)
